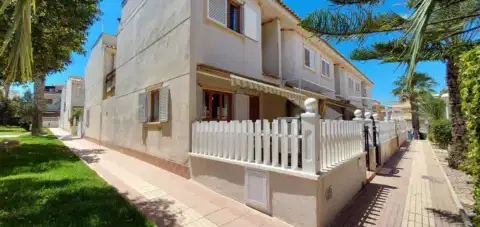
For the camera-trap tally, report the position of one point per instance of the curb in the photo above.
(466, 220)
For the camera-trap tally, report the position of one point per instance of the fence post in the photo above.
(310, 123)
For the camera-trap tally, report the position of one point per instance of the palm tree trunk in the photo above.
(6, 116)
(415, 117)
(458, 148)
(39, 100)
(7, 90)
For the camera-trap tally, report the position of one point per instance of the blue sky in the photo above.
(382, 75)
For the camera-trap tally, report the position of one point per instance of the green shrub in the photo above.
(469, 82)
(441, 132)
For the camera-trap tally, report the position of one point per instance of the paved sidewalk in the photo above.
(409, 191)
(166, 198)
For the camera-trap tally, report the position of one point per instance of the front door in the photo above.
(254, 105)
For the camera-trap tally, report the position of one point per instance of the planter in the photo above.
(73, 130)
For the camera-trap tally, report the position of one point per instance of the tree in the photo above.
(422, 84)
(392, 51)
(59, 27)
(437, 30)
(431, 107)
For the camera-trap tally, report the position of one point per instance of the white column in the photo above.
(311, 137)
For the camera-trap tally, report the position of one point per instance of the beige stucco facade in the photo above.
(168, 44)
(297, 200)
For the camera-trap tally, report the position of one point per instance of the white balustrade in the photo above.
(308, 144)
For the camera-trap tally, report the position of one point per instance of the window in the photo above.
(154, 106)
(309, 58)
(217, 106)
(109, 86)
(350, 83)
(325, 68)
(233, 15)
(357, 86)
(364, 92)
(241, 18)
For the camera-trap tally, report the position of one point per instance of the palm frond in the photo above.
(356, 24)
(431, 107)
(18, 41)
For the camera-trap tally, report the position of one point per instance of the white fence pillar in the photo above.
(311, 137)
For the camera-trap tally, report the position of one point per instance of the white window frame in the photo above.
(329, 68)
(357, 86)
(350, 83)
(312, 56)
(245, 8)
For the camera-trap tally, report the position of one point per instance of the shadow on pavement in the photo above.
(366, 209)
(446, 215)
(159, 210)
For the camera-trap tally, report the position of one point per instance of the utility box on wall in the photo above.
(257, 189)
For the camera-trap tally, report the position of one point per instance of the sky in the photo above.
(382, 75)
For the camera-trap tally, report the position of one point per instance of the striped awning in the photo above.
(287, 93)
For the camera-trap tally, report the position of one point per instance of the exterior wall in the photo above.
(72, 97)
(271, 48)
(296, 200)
(94, 74)
(272, 106)
(222, 48)
(50, 122)
(293, 61)
(230, 181)
(154, 49)
(345, 182)
(56, 98)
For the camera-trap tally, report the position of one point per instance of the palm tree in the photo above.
(432, 107)
(422, 84)
(437, 30)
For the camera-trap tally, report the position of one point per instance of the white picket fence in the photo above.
(279, 144)
(386, 130)
(340, 140)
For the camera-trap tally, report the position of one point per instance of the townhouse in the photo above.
(175, 62)
(72, 98)
(52, 95)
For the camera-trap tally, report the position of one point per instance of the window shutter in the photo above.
(217, 11)
(312, 59)
(164, 103)
(251, 22)
(88, 118)
(142, 107)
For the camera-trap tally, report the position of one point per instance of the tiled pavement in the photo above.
(410, 190)
(166, 198)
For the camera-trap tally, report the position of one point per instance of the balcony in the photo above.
(52, 90)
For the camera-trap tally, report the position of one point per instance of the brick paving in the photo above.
(410, 190)
(168, 199)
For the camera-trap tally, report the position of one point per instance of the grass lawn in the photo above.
(43, 184)
(11, 130)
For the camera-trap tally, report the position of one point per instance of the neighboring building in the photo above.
(52, 105)
(379, 109)
(445, 98)
(72, 97)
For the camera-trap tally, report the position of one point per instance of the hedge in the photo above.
(440, 131)
(469, 81)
